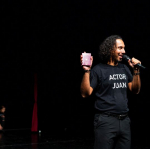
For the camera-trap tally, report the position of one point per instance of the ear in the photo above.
(112, 52)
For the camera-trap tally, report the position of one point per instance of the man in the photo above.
(108, 82)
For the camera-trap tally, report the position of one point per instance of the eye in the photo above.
(120, 48)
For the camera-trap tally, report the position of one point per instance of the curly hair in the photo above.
(106, 47)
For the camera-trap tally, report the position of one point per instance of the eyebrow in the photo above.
(121, 46)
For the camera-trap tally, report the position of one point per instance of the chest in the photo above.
(114, 78)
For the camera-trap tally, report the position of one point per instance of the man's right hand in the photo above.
(86, 67)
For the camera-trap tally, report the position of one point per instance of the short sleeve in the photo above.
(130, 77)
(93, 79)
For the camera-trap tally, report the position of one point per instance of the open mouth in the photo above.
(120, 56)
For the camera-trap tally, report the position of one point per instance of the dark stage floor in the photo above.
(25, 139)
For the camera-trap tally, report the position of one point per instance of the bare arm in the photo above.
(86, 89)
(135, 85)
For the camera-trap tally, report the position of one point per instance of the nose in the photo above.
(123, 50)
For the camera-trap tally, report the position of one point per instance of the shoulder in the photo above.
(99, 66)
(96, 70)
(125, 69)
(123, 66)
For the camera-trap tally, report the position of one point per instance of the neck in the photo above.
(112, 63)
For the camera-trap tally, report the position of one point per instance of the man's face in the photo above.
(119, 50)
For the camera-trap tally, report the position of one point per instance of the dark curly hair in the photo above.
(106, 47)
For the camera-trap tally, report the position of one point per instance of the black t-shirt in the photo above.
(110, 85)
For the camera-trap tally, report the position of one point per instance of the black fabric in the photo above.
(112, 133)
(110, 87)
(118, 116)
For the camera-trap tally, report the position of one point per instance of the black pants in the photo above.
(111, 133)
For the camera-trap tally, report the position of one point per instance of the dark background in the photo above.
(47, 38)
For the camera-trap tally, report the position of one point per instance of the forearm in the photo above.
(136, 82)
(85, 85)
